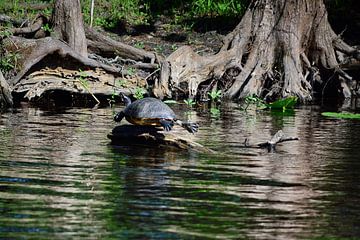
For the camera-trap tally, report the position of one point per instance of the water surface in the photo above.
(61, 179)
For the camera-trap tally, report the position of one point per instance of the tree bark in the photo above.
(5, 92)
(280, 48)
(68, 25)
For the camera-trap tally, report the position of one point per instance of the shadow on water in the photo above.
(61, 178)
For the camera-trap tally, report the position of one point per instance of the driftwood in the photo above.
(270, 145)
(152, 136)
(95, 82)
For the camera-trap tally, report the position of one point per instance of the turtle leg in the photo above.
(189, 126)
(166, 124)
(119, 116)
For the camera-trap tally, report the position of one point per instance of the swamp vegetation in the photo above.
(289, 69)
(48, 50)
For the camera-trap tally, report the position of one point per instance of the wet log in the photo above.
(153, 136)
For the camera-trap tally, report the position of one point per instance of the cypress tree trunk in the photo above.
(68, 25)
(279, 48)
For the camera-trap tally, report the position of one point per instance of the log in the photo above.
(153, 136)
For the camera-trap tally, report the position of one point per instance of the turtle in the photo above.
(150, 111)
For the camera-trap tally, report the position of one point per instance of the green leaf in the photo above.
(284, 103)
(341, 115)
(170, 101)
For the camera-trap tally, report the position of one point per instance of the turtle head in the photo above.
(126, 99)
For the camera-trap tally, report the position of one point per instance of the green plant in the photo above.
(189, 102)
(344, 115)
(121, 83)
(218, 7)
(139, 45)
(285, 103)
(215, 95)
(174, 47)
(9, 61)
(109, 13)
(253, 100)
(47, 28)
(131, 71)
(215, 112)
(4, 33)
(159, 49)
(139, 92)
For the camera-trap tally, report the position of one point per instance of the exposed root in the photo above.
(276, 51)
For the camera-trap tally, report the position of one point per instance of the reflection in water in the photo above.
(60, 178)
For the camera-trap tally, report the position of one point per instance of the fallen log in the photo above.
(152, 136)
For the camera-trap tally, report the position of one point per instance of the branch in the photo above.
(270, 145)
(39, 21)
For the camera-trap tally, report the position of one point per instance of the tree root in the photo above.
(274, 51)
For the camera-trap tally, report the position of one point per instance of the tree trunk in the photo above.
(68, 25)
(5, 93)
(279, 48)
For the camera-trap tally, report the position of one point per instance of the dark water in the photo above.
(60, 179)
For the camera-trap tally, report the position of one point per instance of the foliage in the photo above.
(131, 71)
(215, 95)
(9, 61)
(108, 14)
(285, 103)
(254, 100)
(189, 102)
(139, 45)
(139, 93)
(215, 112)
(47, 28)
(345, 115)
(217, 7)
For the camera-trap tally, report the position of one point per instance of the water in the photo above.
(61, 179)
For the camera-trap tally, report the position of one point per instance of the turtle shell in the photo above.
(148, 111)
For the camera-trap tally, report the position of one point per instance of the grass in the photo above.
(109, 14)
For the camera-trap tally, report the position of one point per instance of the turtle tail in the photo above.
(189, 126)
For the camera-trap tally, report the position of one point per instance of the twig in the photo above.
(87, 89)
